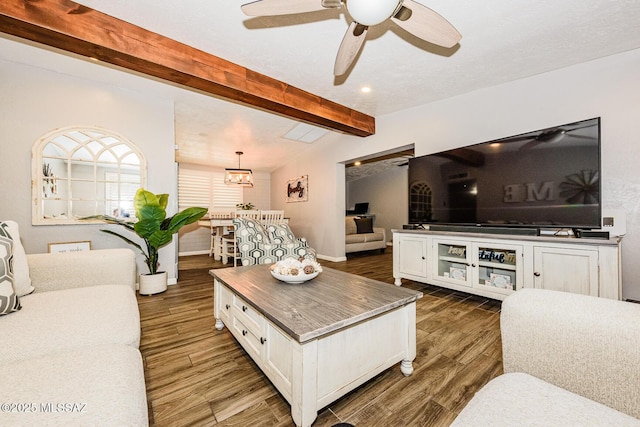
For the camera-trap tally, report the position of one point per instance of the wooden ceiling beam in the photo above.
(75, 28)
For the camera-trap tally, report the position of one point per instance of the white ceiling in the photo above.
(501, 41)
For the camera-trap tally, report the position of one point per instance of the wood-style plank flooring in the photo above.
(199, 376)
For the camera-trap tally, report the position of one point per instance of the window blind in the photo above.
(206, 189)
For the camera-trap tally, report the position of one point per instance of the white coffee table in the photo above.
(319, 340)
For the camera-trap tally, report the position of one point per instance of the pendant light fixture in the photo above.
(241, 177)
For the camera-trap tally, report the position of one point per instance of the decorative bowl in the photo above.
(291, 270)
(300, 278)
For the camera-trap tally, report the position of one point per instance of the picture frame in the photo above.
(501, 281)
(297, 189)
(67, 247)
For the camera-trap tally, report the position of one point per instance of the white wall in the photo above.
(607, 87)
(35, 101)
(387, 195)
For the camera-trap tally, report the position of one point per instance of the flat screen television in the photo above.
(549, 178)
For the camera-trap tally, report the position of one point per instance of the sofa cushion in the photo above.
(364, 225)
(51, 322)
(21, 279)
(90, 386)
(350, 225)
(518, 399)
(364, 238)
(280, 233)
(9, 302)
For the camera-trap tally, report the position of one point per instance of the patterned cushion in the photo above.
(9, 301)
(21, 278)
(250, 229)
(255, 247)
(280, 233)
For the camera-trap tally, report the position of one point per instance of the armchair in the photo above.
(258, 245)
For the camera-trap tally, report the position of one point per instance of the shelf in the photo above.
(453, 259)
(497, 266)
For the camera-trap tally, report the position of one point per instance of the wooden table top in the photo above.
(331, 301)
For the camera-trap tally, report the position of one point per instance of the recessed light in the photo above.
(357, 163)
(365, 89)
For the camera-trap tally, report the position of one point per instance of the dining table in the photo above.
(222, 226)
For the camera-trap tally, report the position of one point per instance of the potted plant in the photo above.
(156, 230)
(245, 206)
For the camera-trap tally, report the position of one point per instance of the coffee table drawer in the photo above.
(248, 339)
(226, 302)
(247, 314)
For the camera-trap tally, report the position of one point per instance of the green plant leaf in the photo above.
(160, 238)
(163, 200)
(126, 239)
(144, 198)
(187, 216)
(146, 227)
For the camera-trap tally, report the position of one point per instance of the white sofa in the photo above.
(569, 360)
(356, 240)
(70, 354)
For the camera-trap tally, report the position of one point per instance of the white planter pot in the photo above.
(153, 283)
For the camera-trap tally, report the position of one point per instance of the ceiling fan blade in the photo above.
(286, 7)
(349, 48)
(426, 24)
(529, 145)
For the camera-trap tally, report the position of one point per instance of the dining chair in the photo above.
(217, 231)
(229, 245)
(272, 217)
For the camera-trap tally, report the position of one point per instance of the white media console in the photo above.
(496, 265)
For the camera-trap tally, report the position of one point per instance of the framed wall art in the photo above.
(69, 247)
(298, 189)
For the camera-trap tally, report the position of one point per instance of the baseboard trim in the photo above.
(193, 253)
(332, 259)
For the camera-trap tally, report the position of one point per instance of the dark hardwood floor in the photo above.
(199, 376)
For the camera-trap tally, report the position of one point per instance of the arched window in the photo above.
(84, 171)
(420, 208)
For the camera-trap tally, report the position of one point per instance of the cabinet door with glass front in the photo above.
(497, 268)
(452, 262)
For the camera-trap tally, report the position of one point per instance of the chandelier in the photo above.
(241, 177)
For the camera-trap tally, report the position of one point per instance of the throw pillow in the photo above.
(251, 229)
(281, 233)
(350, 225)
(364, 225)
(9, 301)
(21, 279)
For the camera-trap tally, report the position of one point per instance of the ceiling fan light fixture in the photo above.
(238, 176)
(372, 12)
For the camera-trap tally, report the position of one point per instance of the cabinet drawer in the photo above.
(248, 339)
(226, 302)
(247, 314)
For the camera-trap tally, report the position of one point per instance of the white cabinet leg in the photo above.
(406, 367)
(304, 399)
(219, 324)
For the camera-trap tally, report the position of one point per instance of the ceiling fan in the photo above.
(549, 136)
(409, 15)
